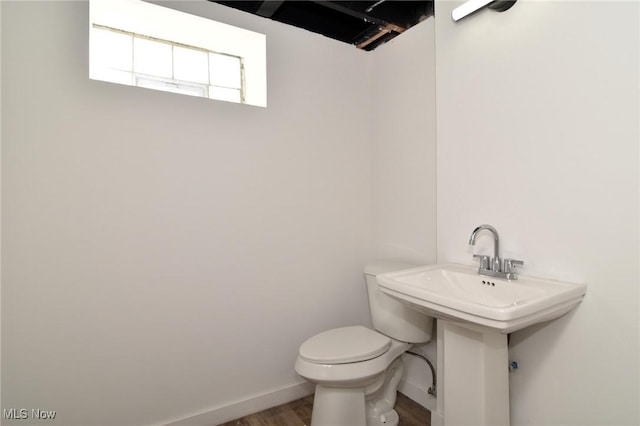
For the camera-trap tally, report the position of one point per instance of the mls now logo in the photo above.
(15, 413)
(23, 413)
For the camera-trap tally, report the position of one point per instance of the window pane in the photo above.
(224, 94)
(152, 58)
(112, 76)
(225, 70)
(190, 65)
(110, 49)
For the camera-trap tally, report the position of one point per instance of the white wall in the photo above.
(538, 135)
(403, 136)
(166, 255)
(403, 127)
(0, 197)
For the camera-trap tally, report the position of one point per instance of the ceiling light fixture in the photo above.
(472, 6)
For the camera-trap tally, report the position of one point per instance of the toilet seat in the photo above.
(344, 345)
(361, 373)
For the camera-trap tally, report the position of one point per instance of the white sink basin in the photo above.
(458, 294)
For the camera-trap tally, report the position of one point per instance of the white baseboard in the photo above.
(418, 394)
(422, 397)
(237, 409)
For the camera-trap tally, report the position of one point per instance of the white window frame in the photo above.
(187, 23)
(172, 84)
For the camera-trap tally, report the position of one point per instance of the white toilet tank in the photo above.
(391, 317)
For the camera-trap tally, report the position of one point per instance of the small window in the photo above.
(127, 58)
(188, 55)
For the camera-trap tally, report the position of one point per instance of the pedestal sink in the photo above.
(476, 313)
(458, 294)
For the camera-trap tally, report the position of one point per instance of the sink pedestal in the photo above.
(474, 370)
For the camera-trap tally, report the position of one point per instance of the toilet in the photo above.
(356, 370)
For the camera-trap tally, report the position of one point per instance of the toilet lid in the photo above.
(344, 345)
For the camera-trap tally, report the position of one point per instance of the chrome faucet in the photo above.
(494, 266)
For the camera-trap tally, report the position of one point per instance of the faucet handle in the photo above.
(484, 260)
(510, 264)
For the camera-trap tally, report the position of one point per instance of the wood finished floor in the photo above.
(298, 413)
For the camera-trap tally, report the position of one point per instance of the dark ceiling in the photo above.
(365, 24)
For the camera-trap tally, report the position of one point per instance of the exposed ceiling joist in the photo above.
(383, 32)
(364, 24)
(350, 12)
(268, 8)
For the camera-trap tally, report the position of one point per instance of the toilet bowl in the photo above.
(356, 370)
